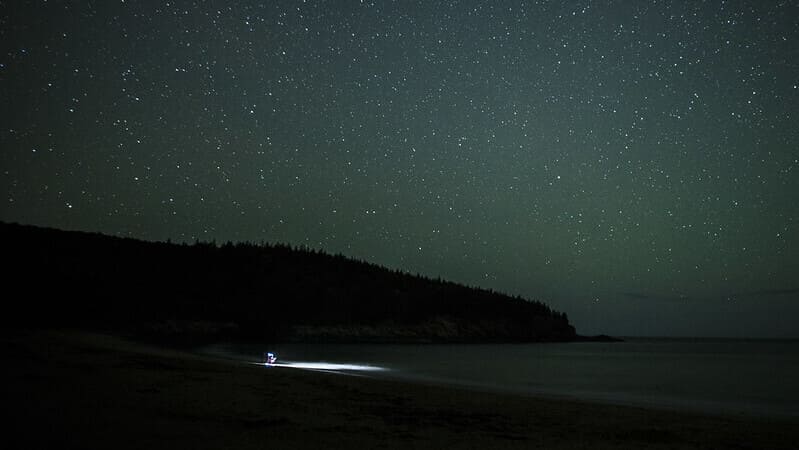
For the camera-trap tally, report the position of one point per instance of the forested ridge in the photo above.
(243, 290)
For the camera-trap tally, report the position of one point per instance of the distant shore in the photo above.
(80, 390)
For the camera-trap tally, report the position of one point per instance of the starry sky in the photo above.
(634, 164)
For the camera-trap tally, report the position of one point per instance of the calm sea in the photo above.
(717, 376)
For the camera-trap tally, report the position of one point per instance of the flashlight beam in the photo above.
(325, 366)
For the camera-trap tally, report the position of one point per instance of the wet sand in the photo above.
(79, 390)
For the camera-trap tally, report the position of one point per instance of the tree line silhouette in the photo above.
(247, 291)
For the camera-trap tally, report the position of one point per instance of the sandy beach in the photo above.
(80, 390)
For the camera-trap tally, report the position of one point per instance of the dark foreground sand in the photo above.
(76, 390)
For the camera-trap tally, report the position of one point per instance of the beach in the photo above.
(84, 390)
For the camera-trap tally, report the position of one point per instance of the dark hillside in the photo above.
(205, 291)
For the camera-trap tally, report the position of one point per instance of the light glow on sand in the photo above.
(326, 366)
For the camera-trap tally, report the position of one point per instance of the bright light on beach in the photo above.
(326, 366)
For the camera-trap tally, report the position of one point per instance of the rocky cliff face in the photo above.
(436, 330)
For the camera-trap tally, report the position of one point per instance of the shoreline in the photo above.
(707, 408)
(737, 404)
(86, 390)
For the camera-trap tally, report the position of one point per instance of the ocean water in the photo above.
(759, 378)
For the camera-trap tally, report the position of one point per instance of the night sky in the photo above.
(633, 164)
